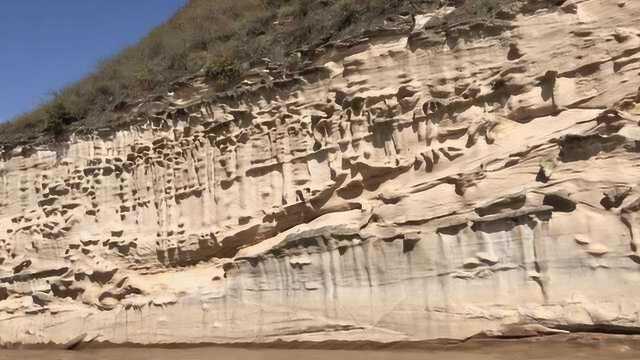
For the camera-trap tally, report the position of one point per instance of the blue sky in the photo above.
(47, 44)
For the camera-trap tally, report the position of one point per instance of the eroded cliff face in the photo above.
(434, 183)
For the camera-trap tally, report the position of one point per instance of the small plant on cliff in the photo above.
(57, 117)
(486, 8)
(223, 72)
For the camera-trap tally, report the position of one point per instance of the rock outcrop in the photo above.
(453, 179)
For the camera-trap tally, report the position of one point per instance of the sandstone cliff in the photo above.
(434, 179)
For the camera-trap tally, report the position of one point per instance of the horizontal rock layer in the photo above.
(456, 179)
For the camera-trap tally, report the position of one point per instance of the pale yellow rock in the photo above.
(582, 239)
(597, 249)
(406, 192)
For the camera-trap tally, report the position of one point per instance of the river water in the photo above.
(598, 350)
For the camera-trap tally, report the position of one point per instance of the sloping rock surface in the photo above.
(433, 183)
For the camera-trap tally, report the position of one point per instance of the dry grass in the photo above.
(219, 37)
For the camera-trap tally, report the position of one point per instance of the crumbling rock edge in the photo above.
(586, 335)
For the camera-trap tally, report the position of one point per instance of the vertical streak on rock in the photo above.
(540, 242)
(243, 163)
(527, 238)
(328, 284)
(444, 269)
(210, 199)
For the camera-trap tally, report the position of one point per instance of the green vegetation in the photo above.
(57, 116)
(223, 72)
(219, 38)
(486, 8)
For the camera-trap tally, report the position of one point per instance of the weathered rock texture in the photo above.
(434, 183)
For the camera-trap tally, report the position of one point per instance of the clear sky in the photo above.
(47, 44)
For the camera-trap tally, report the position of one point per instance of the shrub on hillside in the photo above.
(223, 72)
(57, 117)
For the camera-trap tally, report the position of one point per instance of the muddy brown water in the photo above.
(516, 350)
